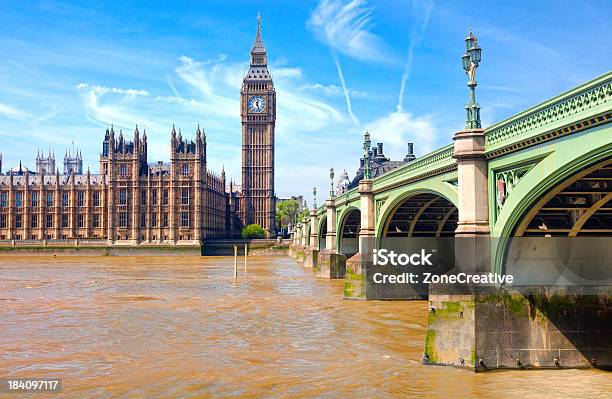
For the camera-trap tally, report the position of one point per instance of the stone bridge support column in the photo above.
(306, 235)
(296, 239)
(355, 284)
(299, 250)
(291, 249)
(453, 334)
(314, 234)
(312, 250)
(469, 148)
(330, 263)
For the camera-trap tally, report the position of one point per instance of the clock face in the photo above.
(257, 104)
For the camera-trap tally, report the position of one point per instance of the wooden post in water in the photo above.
(246, 251)
(235, 261)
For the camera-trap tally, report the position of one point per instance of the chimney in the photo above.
(380, 149)
(410, 155)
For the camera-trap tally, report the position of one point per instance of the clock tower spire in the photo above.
(258, 116)
(258, 51)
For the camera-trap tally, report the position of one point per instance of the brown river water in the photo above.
(174, 327)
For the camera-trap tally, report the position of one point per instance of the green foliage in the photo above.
(253, 231)
(286, 212)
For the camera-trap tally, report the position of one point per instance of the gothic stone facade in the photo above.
(128, 202)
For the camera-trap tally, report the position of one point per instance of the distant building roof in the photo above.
(380, 164)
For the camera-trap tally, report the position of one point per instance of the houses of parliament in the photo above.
(132, 201)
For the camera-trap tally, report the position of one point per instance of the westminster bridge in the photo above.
(543, 174)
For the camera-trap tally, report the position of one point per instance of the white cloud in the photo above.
(299, 112)
(12, 112)
(334, 91)
(345, 27)
(101, 90)
(400, 127)
(347, 96)
(192, 72)
(283, 72)
(111, 105)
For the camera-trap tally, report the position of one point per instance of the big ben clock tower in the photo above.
(258, 115)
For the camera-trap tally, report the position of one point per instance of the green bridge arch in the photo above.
(341, 220)
(438, 186)
(553, 164)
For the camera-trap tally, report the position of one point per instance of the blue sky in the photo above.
(340, 67)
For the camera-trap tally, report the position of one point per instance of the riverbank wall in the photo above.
(217, 247)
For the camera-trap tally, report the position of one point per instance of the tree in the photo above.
(286, 211)
(253, 231)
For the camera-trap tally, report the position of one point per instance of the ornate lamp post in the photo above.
(366, 155)
(332, 194)
(314, 198)
(470, 60)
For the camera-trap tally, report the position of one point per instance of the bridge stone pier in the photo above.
(330, 263)
(312, 249)
(356, 285)
(297, 249)
(528, 197)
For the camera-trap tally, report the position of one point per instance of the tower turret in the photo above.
(73, 162)
(173, 142)
(45, 164)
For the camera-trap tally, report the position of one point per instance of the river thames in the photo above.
(181, 327)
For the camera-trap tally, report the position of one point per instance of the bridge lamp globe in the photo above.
(366, 155)
(331, 183)
(475, 53)
(367, 143)
(470, 41)
(465, 60)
